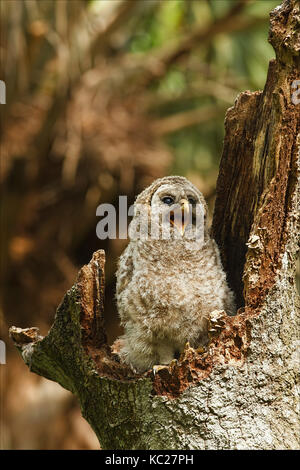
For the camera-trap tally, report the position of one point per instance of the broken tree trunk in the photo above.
(241, 392)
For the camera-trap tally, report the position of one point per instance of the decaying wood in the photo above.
(240, 392)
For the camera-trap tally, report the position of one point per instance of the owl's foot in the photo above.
(216, 322)
(157, 368)
(173, 363)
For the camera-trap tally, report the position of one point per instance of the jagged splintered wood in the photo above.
(240, 393)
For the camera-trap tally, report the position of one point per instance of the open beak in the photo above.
(180, 216)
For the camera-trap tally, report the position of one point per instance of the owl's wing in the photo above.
(125, 271)
(229, 297)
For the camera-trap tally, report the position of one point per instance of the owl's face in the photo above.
(179, 210)
(171, 208)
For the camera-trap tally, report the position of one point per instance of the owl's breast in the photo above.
(176, 295)
(160, 293)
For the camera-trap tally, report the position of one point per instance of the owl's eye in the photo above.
(168, 200)
(191, 201)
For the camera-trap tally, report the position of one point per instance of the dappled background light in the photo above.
(102, 98)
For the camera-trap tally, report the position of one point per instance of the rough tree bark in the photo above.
(240, 393)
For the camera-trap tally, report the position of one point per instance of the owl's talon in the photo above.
(157, 368)
(173, 363)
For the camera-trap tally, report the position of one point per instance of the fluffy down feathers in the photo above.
(167, 287)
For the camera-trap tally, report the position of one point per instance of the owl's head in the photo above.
(172, 207)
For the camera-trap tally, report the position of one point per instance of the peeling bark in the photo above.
(240, 392)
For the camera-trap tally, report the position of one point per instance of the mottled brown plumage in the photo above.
(166, 288)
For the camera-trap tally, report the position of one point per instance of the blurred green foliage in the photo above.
(211, 74)
(238, 60)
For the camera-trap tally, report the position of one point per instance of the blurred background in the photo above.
(102, 97)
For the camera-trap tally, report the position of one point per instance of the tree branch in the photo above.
(157, 64)
(185, 119)
(115, 22)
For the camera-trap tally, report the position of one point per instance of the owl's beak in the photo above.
(180, 216)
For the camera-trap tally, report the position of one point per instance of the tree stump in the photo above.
(239, 393)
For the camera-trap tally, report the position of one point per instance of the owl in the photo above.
(170, 276)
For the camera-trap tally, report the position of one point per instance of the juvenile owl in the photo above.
(170, 276)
